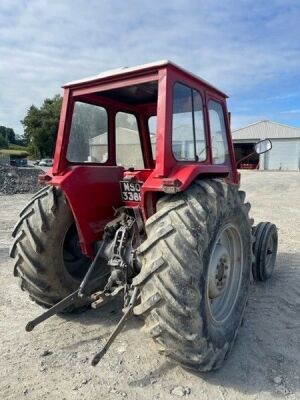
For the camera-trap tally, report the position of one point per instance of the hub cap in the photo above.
(224, 273)
(218, 271)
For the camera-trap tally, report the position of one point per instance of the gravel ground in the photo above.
(52, 362)
(15, 180)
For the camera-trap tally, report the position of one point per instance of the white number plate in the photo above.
(131, 190)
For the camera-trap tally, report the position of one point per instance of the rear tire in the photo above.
(46, 250)
(175, 279)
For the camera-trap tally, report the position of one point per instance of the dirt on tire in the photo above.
(175, 259)
(46, 267)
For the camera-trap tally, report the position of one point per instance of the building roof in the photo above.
(124, 136)
(266, 129)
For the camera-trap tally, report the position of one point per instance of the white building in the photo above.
(285, 153)
(128, 148)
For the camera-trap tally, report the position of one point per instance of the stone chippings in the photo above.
(15, 180)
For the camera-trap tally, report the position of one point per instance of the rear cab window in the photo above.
(88, 136)
(128, 143)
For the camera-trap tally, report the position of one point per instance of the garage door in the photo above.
(285, 154)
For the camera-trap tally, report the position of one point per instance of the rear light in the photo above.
(44, 178)
(171, 185)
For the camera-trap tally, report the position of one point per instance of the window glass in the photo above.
(128, 144)
(218, 133)
(199, 126)
(188, 135)
(152, 124)
(88, 135)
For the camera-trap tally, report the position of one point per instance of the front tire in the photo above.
(189, 236)
(265, 250)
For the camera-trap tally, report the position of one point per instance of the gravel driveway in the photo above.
(53, 362)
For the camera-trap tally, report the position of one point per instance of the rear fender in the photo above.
(93, 194)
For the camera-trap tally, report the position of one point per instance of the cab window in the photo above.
(88, 135)
(152, 124)
(188, 134)
(219, 143)
(128, 143)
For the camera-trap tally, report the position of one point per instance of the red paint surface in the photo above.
(93, 191)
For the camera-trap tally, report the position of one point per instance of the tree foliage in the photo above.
(3, 143)
(41, 125)
(7, 135)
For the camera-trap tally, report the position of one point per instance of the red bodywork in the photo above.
(93, 191)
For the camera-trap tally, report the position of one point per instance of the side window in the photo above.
(88, 135)
(188, 135)
(218, 133)
(152, 124)
(128, 144)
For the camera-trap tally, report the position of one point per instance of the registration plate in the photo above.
(131, 190)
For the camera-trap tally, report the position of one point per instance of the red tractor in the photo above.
(143, 198)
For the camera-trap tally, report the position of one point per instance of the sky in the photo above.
(249, 49)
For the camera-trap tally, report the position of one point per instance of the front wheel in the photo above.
(196, 265)
(265, 250)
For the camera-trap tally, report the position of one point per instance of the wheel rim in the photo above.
(224, 273)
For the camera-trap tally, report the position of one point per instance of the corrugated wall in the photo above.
(284, 155)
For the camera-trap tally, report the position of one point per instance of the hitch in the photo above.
(80, 293)
(127, 313)
(62, 305)
(118, 249)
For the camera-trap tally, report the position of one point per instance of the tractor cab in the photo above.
(129, 135)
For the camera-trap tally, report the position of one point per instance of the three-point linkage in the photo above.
(120, 250)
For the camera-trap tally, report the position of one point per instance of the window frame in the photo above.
(111, 112)
(90, 102)
(227, 130)
(205, 125)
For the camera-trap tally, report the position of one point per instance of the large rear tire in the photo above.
(46, 250)
(196, 265)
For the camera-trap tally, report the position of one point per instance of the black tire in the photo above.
(265, 250)
(48, 259)
(173, 280)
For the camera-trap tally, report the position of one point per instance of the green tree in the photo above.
(3, 142)
(8, 134)
(41, 125)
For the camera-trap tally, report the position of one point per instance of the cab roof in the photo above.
(124, 71)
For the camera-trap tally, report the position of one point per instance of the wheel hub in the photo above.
(219, 270)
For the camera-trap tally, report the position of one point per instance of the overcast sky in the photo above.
(250, 49)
